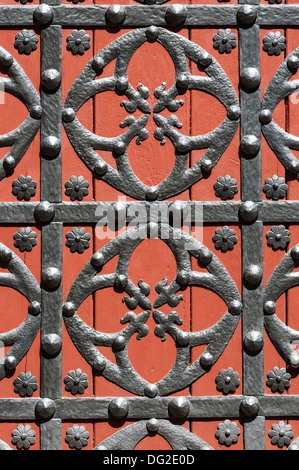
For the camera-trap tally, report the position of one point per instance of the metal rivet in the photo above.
(249, 407)
(182, 145)
(177, 212)
(152, 193)
(10, 362)
(179, 407)
(44, 212)
(115, 14)
(121, 84)
(293, 166)
(69, 309)
(9, 163)
(51, 344)
(6, 59)
(98, 63)
(182, 338)
(119, 147)
(36, 111)
(250, 78)
(101, 168)
(152, 230)
(206, 360)
(253, 275)
(295, 253)
(5, 256)
(152, 33)
(247, 15)
(294, 360)
(265, 116)
(235, 307)
(250, 145)
(99, 364)
(50, 146)
(233, 112)
(152, 425)
(182, 81)
(51, 79)
(205, 256)
(182, 278)
(121, 281)
(119, 343)
(97, 260)
(254, 341)
(248, 211)
(270, 307)
(45, 408)
(34, 308)
(151, 390)
(68, 115)
(43, 14)
(118, 408)
(51, 277)
(204, 60)
(176, 14)
(293, 62)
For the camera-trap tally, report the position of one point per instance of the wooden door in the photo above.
(149, 225)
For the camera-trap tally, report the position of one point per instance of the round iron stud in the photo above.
(250, 145)
(69, 309)
(34, 308)
(51, 344)
(265, 116)
(115, 14)
(235, 307)
(253, 275)
(270, 307)
(247, 15)
(68, 115)
(152, 193)
(254, 341)
(176, 15)
(97, 260)
(152, 425)
(9, 163)
(250, 78)
(50, 146)
(101, 168)
(99, 364)
(118, 408)
(5, 256)
(51, 277)
(119, 343)
(151, 390)
(45, 408)
(249, 407)
(152, 33)
(10, 362)
(51, 79)
(248, 211)
(206, 360)
(44, 212)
